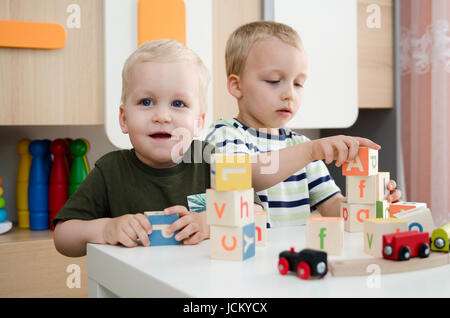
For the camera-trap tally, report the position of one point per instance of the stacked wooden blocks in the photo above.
(366, 190)
(229, 208)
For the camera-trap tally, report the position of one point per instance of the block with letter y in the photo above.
(159, 222)
(232, 242)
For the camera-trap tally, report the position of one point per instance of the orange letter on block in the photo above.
(228, 248)
(219, 213)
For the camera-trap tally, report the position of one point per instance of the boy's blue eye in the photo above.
(146, 102)
(177, 103)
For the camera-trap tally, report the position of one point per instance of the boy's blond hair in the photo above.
(242, 39)
(166, 51)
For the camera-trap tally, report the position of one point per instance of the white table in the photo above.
(187, 271)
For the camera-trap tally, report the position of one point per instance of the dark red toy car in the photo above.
(404, 245)
(306, 263)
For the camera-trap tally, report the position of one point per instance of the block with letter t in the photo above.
(364, 164)
(232, 242)
(325, 234)
(231, 172)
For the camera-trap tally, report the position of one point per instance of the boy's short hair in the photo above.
(166, 51)
(242, 39)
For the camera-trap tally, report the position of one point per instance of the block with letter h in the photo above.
(374, 229)
(229, 208)
(159, 222)
(325, 234)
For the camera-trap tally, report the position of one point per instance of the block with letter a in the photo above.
(365, 163)
(229, 208)
(232, 242)
(231, 172)
(354, 215)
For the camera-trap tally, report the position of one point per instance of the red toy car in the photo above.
(404, 245)
(305, 263)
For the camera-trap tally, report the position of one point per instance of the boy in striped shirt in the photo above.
(266, 70)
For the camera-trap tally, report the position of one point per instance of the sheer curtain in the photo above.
(424, 65)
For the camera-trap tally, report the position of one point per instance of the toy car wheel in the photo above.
(303, 270)
(439, 242)
(321, 268)
(404, 253)
(388, 250)
(283, 266)
(424, 250)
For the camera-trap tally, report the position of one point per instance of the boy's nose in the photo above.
(161, 114)
(288, 92)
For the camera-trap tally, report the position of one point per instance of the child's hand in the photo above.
(190, 224)
(126, 229)
(395, 194)
(340, 148)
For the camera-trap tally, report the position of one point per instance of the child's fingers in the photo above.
(140, 231)
(127, 237)
(328, 152)
(179, 224)
(342, 152)
(364, 142)
(394, 196)
(391, 185)
(353, 147)
(194, 239)
(144, 222)
(176, 209)
(187, 231)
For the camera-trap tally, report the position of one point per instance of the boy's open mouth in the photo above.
(161, 135)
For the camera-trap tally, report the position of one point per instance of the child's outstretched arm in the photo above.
(273, 167)
(71, 236)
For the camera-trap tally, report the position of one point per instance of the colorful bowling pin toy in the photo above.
(23, 173)
(59, 178)
(78, 170)
(5, 225)
(38, 186)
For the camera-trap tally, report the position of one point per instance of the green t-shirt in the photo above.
(121, 184)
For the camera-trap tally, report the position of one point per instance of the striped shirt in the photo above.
(291, 201)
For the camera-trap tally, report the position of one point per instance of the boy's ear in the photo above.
(123, 120)
(200, 124)
(234, 87)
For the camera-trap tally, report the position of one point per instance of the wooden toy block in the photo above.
(374, 229)
(229, 208)
(231, 172)
(365, 163)
(382, 208)
(419, 219)
(232, 242)
(354, 215)
(325, 234)
(404, 206)
(159, 222)
(261, 228)
(367, 189)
